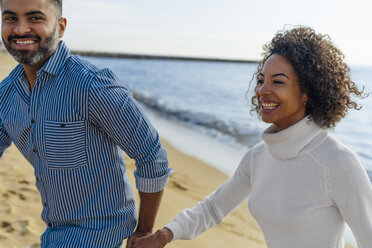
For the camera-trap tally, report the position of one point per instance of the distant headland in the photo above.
(157, 57)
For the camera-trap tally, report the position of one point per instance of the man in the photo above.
(71, 120)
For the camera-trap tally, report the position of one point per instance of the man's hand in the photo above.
(135, 236)
(156, 240)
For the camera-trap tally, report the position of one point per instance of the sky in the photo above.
(213, 28)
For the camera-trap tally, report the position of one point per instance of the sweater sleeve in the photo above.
(351, 191)
(190, 223)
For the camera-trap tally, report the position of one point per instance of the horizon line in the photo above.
(158, 57)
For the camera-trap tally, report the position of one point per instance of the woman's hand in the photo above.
(157, 240)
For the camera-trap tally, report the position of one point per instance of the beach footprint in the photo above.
(18, 226)
(184, 184)
(10, 193)
(178, 182)
(6, 226)
(23, 181)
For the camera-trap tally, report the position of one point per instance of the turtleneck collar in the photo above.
(289, 142)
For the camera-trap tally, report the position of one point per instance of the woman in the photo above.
(302, 183)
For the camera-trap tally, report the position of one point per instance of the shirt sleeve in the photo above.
(190, 223)
(113, 109)
(351, 191)
(5, 141)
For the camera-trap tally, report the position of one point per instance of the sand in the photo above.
(20, 203)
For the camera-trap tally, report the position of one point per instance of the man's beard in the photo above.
(36, 57)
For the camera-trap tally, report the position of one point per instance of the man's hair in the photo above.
(57, 4)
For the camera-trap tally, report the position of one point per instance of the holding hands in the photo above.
(157, 240)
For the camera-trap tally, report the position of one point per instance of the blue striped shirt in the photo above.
(72, 128)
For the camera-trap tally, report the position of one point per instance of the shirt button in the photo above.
(37, 179)
(32, 121)
(49, 224)
(34, 150)
(63, 125)
(44, 204)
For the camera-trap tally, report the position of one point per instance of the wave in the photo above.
(198, 119)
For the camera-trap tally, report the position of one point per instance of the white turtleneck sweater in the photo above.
(302, 186)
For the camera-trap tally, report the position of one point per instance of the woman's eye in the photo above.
(260, 81)
(277, 82)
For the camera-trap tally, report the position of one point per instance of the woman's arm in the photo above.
(190, 223)
(352, 192)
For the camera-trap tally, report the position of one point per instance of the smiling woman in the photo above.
(320, 72)
(302, 184)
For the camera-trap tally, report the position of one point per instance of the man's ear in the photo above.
(62, 23)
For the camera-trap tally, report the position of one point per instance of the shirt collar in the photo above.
(289, 142)
(53, 65)
(56, 62)
(17, 72)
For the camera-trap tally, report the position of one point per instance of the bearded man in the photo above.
(71, 121)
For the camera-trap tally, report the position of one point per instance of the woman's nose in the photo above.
(263, 88)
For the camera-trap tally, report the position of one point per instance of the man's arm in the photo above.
(113, 109)
(149, 207)
(5, 141)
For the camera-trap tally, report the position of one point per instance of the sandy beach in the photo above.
(20, 204)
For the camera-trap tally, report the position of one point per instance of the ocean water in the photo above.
(213, 98)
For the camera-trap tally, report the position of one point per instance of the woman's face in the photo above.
(279, 95)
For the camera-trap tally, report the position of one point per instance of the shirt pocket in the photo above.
(65, 144)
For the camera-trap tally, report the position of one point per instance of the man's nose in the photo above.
(22, 28)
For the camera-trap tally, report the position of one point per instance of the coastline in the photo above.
(157, 57)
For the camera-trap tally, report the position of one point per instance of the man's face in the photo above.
(31, 30)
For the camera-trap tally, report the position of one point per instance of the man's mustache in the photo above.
(29, 36)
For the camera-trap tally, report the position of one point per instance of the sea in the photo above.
(203, 108)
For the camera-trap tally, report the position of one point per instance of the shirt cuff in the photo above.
(176, 229)
(151, 185)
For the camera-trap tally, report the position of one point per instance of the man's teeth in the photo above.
(270, 105)
(25, 42)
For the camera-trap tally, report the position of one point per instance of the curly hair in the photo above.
(322, 73)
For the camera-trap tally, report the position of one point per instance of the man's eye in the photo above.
(9, 18)
(35, 18)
